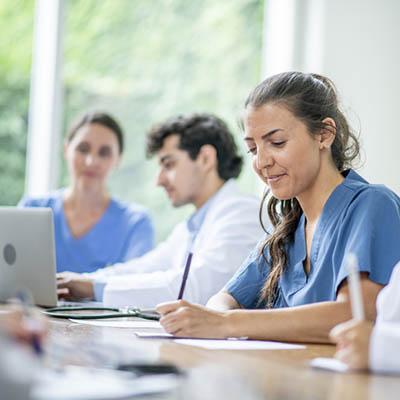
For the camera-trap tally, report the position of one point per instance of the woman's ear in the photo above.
(328, 133)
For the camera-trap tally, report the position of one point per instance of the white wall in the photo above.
(356, 43)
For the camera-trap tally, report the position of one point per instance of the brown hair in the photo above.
(99, 118)
(195, 131)
(311, 98)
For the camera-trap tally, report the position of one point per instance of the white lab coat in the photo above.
(385, 338)
(227, 235)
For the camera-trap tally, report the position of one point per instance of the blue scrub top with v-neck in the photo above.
(358, 217)
(123, 232)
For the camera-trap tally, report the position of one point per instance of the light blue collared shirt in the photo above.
(358, 217)
(196, 220)
(193, 225)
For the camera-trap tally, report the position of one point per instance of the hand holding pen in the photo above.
(352, 337)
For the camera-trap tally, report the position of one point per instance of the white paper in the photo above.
(152, 335)
(330, 364)
(118, 323)
(230, 344)
(76, 383)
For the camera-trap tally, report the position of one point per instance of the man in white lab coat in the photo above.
(198, 162)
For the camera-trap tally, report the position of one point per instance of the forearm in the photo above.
(222, 301)
(309, 323)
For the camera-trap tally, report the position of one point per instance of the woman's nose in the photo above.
(263, 160)
(90, 159)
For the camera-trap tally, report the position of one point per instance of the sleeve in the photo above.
(384, 348)
(371, 231)
(28, 202)
(226, 242)
(158, 259)
(245, 286)
(140, 239)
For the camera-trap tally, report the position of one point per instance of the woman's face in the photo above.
(92, 154)
(285, 155)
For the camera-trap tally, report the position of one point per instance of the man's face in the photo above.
(179, 175)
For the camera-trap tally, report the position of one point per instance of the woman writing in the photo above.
(293, 286)
(93, 230)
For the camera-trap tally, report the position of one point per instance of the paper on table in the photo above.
(330, 364)
(118, 323)
(235, 344)
(152, 335)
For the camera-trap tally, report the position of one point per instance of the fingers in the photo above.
(171, 324)
(353, 358)
(178, 318)
(344, 355)
(168, 307)
(64, 294)
(339, 332)
(173, 321)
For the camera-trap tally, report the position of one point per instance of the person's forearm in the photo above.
(310, 323)
(222, 301)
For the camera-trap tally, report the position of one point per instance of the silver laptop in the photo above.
(27, 254)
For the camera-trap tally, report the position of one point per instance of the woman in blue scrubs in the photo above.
(93, 229)
(294, 282)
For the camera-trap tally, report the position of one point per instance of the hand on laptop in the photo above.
(72, 286)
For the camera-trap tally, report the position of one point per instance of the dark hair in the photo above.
(195, 131)
(100, 118)
(311, 98)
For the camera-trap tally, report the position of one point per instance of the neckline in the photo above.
(93, 228)
(329, 208)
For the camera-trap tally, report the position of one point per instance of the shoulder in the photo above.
(361, 189)
(48, 200)
(132, 212)
(375, 198)
(373, 209)
(232, 200)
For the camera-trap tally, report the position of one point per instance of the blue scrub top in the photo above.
(123, 232)
(358, 217)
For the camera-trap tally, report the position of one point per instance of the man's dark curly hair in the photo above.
(195, 131)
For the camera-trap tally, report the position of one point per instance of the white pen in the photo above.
(357, 305)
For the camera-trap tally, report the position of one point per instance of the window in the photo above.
(142, 61)
(16, 31)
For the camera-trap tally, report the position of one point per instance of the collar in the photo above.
(196, 220)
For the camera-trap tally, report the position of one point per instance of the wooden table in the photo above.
(275, 374)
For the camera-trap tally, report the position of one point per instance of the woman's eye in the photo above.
(105, 152)
(278, 143)
(252, 150)
(83, 148)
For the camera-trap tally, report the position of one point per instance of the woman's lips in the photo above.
(274, 178)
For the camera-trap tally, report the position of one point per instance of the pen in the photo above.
(185, 275)
(357, 306)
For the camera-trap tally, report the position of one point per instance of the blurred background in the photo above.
(144, 61)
